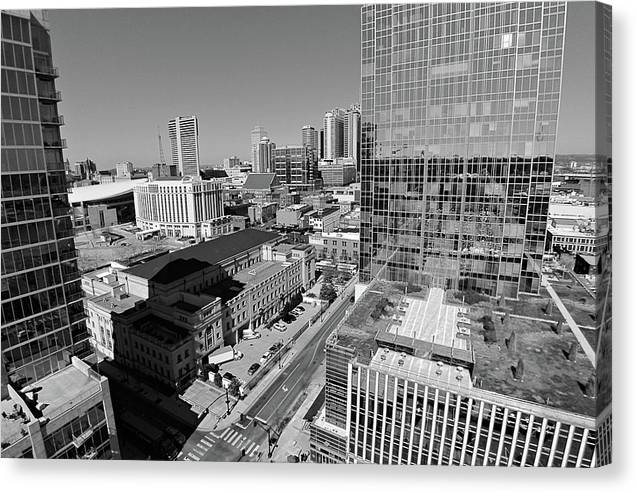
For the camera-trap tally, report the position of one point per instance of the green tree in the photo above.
(218, 381)
(328, 293)
(233, 388)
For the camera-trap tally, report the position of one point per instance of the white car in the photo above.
(265, 357)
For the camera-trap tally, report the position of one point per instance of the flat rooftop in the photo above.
(259, 272)
(429, 320)
(437, 333)
(161, 331)
(420, 369)
(114, 304)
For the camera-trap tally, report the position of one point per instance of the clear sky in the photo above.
(124, 72)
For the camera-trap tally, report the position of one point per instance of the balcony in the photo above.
(50, 95)
(46, 71)
(52, 120)
(60, 144)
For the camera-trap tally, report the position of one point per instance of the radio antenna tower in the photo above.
(162, 158)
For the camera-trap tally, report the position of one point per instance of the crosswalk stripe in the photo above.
(187, 458)
(236, 439)
(226, 431)
(193, 456)
(197, 451)
(201, 447)
(249, 449)
(206, 442)
(254, 451)
(231, 436)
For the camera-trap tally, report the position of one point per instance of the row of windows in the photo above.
(27, 282)
(15, 28)
(27, 352)
(18, 82)
(20, 108)
(65, 435)
(35, 303)
(15, 55)
(22, 134)
(34, 327)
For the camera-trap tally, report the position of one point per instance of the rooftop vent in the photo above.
(518, 370)
(459, 377)
(438, 371)
(401, 362)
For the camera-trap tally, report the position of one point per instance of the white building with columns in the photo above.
(178, 207)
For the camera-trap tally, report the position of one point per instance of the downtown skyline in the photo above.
(220, 85)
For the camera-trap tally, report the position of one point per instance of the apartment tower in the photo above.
(183, 132)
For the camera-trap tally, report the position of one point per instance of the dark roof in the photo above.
(260, 181)
(177, 269)
(176, 265)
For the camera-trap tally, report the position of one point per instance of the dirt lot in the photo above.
(93, 252)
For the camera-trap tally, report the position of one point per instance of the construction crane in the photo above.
(162, 158)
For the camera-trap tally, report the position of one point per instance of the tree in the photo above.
(218, 381)
(328, 292)
(233, 388)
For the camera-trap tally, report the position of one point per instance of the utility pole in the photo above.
(264, 424)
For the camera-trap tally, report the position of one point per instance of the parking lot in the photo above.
(253, 349)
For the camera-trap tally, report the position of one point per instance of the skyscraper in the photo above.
(264, 161)
(459, 119)
(43, 320)
(352, 133)
(310, 137)
(333, 133)
(183, 132)
(256, 135)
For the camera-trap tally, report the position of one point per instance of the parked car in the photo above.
(265, 357)
(300, 308)
(275, 347)
(254, 335)
(279, 326)
(253, 368)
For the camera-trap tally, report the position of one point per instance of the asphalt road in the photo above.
(274, 404)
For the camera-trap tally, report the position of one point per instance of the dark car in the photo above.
(300, 308)
(253, 369)
(275, 347)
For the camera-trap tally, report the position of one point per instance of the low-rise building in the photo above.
(339, 245)
(291, 215)
(66, 415)
(351, 193)
(217, 227)
(325, 220)
(103, 205)
(164, 316)
(124, 169)
(260, 188)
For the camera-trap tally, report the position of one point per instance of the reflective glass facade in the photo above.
(459, 108)
(42, 313)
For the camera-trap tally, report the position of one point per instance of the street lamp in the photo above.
(264, 424)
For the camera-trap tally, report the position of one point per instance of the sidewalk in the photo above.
(210, 422)
(294, 438)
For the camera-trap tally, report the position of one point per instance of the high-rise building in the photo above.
(264, 161)
(256, 135)
(183, 132)
(410, 379)
(295, 165)
(337, 172)
(352, 134)
(458, 142)
(333, 133)
(310, 138)
(231, 162)
(43, 320)
(322, 144)
(124, 169)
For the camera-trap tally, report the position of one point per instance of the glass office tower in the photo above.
(42, 313)
(459, 106)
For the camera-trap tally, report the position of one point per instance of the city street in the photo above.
(273, 406)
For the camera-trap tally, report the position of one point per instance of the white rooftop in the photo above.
(103, 190)
(430, 320)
